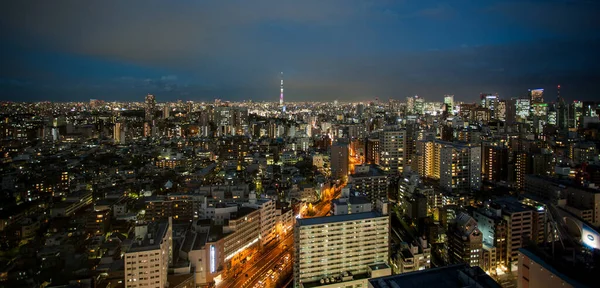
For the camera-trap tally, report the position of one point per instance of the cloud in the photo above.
(152, 31)
(328, 49)
(572, 18)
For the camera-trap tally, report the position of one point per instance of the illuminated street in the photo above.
(257, 267)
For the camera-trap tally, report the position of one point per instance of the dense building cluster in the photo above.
(197, 194)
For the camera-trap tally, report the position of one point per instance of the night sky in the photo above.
(328, 49)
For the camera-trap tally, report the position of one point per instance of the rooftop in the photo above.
(379, 266)
(158, 231)
(352, 200)
(317, 283)
(563, 182)
(458, 276)
(242, 211)
(512, 205)
(563, 266)
(373, 172)
(338, 218)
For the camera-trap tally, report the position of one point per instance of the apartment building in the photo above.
(148, 259)
(371, 181)
(340, 162)
(464, 241)
(494, 228)
(330, 250)
(460, 166)
(243, 231)
(520, 227)
(413, 257)
(268, 218)
(392, 145)
(456, 165)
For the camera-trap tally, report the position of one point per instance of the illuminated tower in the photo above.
(281, 95)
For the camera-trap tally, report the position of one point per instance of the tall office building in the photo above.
(490, 102)
(150, 105)
(449, 101)
(340, 161)
(392, 145)
(500, 112)
(575, 114)
(419, 105)
(536, 95)
(331, 251)
(148, 259)
(552, 115)
(522, 109)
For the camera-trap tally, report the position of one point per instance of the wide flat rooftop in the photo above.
(158, 231)
(456, 276)
(338, 218)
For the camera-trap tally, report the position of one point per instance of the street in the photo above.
(259, 265)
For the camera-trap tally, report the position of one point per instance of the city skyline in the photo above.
(328, 50)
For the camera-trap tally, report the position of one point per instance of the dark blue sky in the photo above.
(328, 49)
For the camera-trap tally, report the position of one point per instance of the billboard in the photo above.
(590, 237)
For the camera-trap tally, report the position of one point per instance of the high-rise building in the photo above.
(371, 181)
(536, 95)
(372, 151)
(490, 102)
(410, 105)
(166, 111)
(340, 161)
(495, 163)
(523, 166)
(392, 144)
(331, 250)
(500, 113)
(575, 114)
(117, 132)
(150, 105)
(494, 229)
(449, 101)
(457, 165)
(464, 241)
(520, 227)
(419, 105)
(460, 166)
(523, 109)
(148, 259)
(428, 159)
